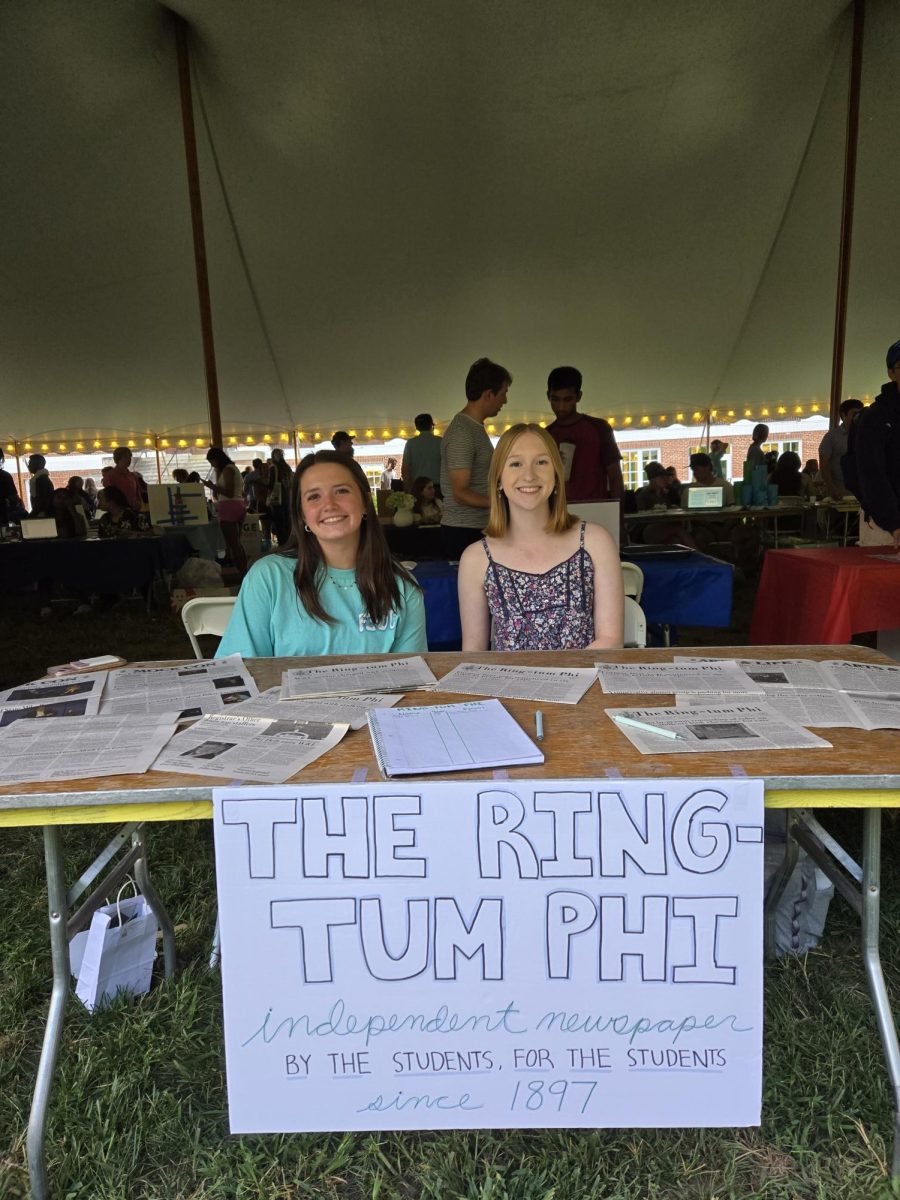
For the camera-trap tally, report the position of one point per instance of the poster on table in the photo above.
(177, 504)
(491, 954)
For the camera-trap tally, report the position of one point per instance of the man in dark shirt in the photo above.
(877, 454)
(587, 444)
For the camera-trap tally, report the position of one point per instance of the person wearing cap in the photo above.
(833, 447)
(587, 444)
(876, 446)
(421, 454)
(343, 442)
(658, 491)
(705, 476)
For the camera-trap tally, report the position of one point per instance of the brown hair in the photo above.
(376, 571)
(560, 518)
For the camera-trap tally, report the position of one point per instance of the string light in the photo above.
(402, 433)
(62, 447)
(610, 420)
(232, 441)
(696, 416)
(679, 417)
(543, 424)
(28, 445)
(267, 437)
(662, 420)
(627, 421)
(814, 408)
(763, 412)
(491, 429)
(370, 433)
(318, 436)
(386, 434)
(164, 442)
(747, 412)
(182, 443)
(645, 420)
(44, 446)
(283, 437)
(781, 410)
(79, 445)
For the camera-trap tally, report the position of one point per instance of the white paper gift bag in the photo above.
(119, 950)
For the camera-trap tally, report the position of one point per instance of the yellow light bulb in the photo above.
(747, 412)
(79, 445)
(232, 441)
(164, 443)
(679, 417)
(267, 437)
(696, 416)
(782, 410)
(28, 445)
(731, 412)
(62, 447)
(352, 432)
(610, 420)
(627, 421)
(370, 433)
(44, 446)
(182, 442)
(491, 429)
(507, 426)
(283, 437)
(814, 408)
(96, 445)
(662, 420)
(318, 436)
(402, 433)
(543, 424)
(764, 412)
(386, 433)
(645, 420)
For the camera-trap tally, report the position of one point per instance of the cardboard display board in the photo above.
(492, 954)
(176, 504)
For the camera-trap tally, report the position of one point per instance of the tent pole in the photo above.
(196, 200)
(19, 471)
(158, 463)
(843, 280)
(296, 448)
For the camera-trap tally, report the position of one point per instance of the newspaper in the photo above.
(81, 747)
(553, 685)
(336, 710)
(817, 707)
(862, 676)
(192, 690)
(665, 678)
(253, 749)
(73, 697)
(733, 727)
(349, 679)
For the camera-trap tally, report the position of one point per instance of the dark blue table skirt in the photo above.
(108, 565)
(688, 589)
(438, 581)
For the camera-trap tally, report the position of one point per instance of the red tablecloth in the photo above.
(824, 596)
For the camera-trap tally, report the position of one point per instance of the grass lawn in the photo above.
(139, 1112)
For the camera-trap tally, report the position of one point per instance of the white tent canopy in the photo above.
(393, 188)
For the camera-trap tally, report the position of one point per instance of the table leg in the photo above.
(778, 883)
(37, 1122)
(871, 911)
(142, 874)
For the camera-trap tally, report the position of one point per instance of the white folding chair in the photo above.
(635, 632)
(633, 579)
(206, 614)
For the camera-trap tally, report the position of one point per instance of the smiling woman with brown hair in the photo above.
(539, 579)
(335, 589)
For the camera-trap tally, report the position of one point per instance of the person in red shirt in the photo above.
(126, 481)
(587, 444)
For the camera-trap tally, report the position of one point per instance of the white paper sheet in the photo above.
(733, 727)
(772, 673)
(208, 686)
(665, 678)
(552, 685)
(337, 710)
(254, 749)
(524, 954)
(449, 737)
(81, 747)
(347, 679)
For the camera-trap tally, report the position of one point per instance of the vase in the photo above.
(403, 517)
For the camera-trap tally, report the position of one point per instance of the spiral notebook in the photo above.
(449, 737)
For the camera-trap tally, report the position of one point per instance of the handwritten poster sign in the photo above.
(491, 954)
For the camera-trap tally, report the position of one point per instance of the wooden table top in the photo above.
(579, 742)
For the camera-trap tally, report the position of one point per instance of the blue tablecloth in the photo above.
(688, 589)
(94, 564)
(438, 581)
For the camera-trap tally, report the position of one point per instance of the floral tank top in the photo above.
(550, 611)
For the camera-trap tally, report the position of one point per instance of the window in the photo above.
(796, 446)
(633, 463)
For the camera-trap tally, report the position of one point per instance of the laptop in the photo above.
(704, 497)
(600, 512)
(38, 527)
